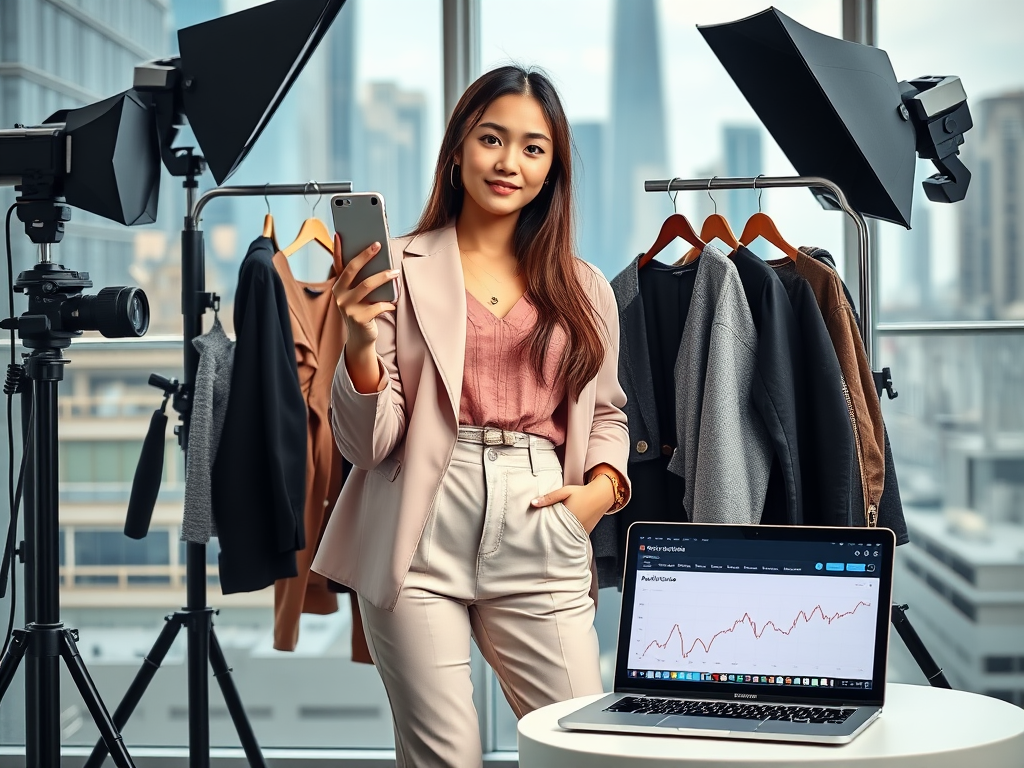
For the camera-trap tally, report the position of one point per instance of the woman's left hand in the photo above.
(588, 503)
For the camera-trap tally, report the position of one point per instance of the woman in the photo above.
(445, 529)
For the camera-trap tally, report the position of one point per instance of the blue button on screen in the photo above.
(834, 566)
(855, 566)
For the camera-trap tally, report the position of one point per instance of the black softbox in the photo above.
(113, 159)
(833, 107)
(237, 69)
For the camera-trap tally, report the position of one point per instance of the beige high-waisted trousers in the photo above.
(514, 577)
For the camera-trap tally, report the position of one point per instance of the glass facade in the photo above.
(646, 99)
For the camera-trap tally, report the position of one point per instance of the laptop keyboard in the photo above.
(731, 709)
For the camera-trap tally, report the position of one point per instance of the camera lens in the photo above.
(373, 201)
(116, 312)
(337, 202)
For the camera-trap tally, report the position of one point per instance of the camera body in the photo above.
(58, 311)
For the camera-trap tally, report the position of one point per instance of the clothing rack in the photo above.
(867, 308)
(204, 651)
(898, 616)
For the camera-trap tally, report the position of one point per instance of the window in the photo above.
(356, 113)
(1000, 665)
(99, 461)
(109, 558)
(647, 99)
(957, 427)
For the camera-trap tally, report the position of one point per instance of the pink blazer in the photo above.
(401, 438)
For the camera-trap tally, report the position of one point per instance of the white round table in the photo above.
(920, 727)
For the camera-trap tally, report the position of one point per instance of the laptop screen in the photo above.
(765, 611)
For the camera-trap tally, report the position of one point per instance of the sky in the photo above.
(400, 40)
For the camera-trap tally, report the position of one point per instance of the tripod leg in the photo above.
(137, 689)
(9, 665)
(916, 647)
(222, 672)
(92, 699)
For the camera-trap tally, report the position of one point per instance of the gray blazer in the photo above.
(723, 449)
(209, 408)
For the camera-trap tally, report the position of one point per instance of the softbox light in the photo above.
(237, 69)
(833, 107)
(112, 159)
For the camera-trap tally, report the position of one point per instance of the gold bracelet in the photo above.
(620, 496)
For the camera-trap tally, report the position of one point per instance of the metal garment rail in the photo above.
(195, 577)
(867, 307)
(204, 651)
(193, 309)
(331, 188)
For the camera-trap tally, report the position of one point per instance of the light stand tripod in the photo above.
(204, 652)
(55, 301)
(203, 647)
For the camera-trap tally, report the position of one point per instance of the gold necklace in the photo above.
(494, 299)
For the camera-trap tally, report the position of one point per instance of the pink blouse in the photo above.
(499, 386)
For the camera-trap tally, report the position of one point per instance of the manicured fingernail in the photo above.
(536, 502)
(376, 246)
(393, 273)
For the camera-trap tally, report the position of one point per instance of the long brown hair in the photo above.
(543, 239)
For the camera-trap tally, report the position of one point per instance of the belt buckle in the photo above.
(493, 436)
(508, 438)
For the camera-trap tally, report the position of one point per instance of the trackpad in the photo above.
(709, 723)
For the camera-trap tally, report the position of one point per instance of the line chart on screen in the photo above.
(702, 622)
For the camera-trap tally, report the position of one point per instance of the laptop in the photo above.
(749, 632)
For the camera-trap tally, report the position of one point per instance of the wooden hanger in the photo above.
(675, 226)
(312, 231)
(761, 225)
(714, 226)
(268, 224)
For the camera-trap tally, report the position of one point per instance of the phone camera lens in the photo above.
(338, 202)
(373, 201)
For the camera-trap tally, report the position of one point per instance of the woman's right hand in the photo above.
(360, 315)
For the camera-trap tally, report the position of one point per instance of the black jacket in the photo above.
(774, 396)
(828, 454)
(259, 475)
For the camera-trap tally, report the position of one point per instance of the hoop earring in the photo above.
(451, 177)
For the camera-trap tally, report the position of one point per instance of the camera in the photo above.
(58, 311)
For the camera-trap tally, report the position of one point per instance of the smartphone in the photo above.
(360, 219)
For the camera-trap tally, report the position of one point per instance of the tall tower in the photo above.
(635, 147)
(992, 215)
(589, 182)
(390, 151)
(742, 145)
(341, 41)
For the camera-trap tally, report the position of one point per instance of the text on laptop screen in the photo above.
(782, 613)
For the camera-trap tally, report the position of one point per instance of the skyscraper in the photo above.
(588, 177)
(742, 144)
(635, 147)
(59, 57)
(389, 156)
(341, 41)
(992, 215)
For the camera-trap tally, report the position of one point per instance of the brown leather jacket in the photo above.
(862, 400)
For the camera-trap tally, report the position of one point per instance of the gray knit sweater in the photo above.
(209, 407)
(724, 450)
